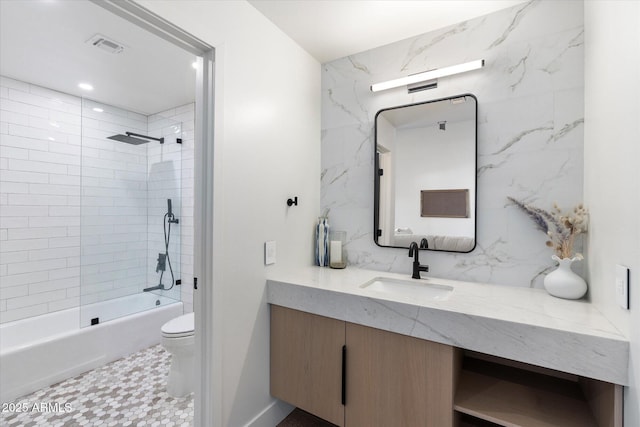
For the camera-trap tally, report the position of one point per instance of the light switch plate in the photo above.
(270, 252)
(622, 286)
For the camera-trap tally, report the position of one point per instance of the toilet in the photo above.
(178, 339)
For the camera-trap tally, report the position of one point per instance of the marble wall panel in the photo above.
(530, 134)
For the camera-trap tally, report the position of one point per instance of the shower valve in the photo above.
(161, 262)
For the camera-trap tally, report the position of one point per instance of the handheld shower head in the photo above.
(170, 216)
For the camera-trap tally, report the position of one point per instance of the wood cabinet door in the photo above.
(306, 362)
(396, 380)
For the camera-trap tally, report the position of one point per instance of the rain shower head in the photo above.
(128, 139)
(135, 138)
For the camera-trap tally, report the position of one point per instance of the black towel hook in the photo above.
(292, 202)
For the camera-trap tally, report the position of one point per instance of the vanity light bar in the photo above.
(428, 75)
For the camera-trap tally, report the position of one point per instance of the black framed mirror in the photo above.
(425, 180)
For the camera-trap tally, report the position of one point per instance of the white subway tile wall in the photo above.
(178, 161)
(164, 182)
(170, 124)
(114, 205)
(58, 174)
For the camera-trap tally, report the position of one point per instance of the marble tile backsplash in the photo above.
(530, 134)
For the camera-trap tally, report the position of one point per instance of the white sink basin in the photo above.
(409, 288)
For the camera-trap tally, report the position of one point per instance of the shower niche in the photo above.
(130, 212)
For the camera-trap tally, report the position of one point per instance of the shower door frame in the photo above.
(208, 389)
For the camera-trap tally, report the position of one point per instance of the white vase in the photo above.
(563, 282)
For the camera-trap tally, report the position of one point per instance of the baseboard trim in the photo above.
(271, 416)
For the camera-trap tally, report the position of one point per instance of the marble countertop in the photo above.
(522, 324)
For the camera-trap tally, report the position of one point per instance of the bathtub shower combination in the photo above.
(129, 194)
(43, 350)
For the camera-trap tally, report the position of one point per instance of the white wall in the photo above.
(612, 167)
(426, 167)
(267, 148)
(530, 134)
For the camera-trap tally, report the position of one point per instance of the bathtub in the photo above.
(43, 350)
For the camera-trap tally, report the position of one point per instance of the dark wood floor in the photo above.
(299, 418)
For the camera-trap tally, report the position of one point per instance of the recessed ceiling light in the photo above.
(194, 65)
(51, 138)
(98, 110)
(85, 86)
(54, 124)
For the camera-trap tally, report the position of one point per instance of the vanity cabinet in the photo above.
(356, 376)
(307, 362)
(397, 380)
(353, 375)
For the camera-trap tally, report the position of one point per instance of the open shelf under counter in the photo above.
(512, 395)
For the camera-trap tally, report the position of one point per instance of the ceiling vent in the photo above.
(106, 44)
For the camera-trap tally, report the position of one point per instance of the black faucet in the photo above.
(417, 268)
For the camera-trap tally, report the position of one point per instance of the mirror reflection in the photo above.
(425, 180)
